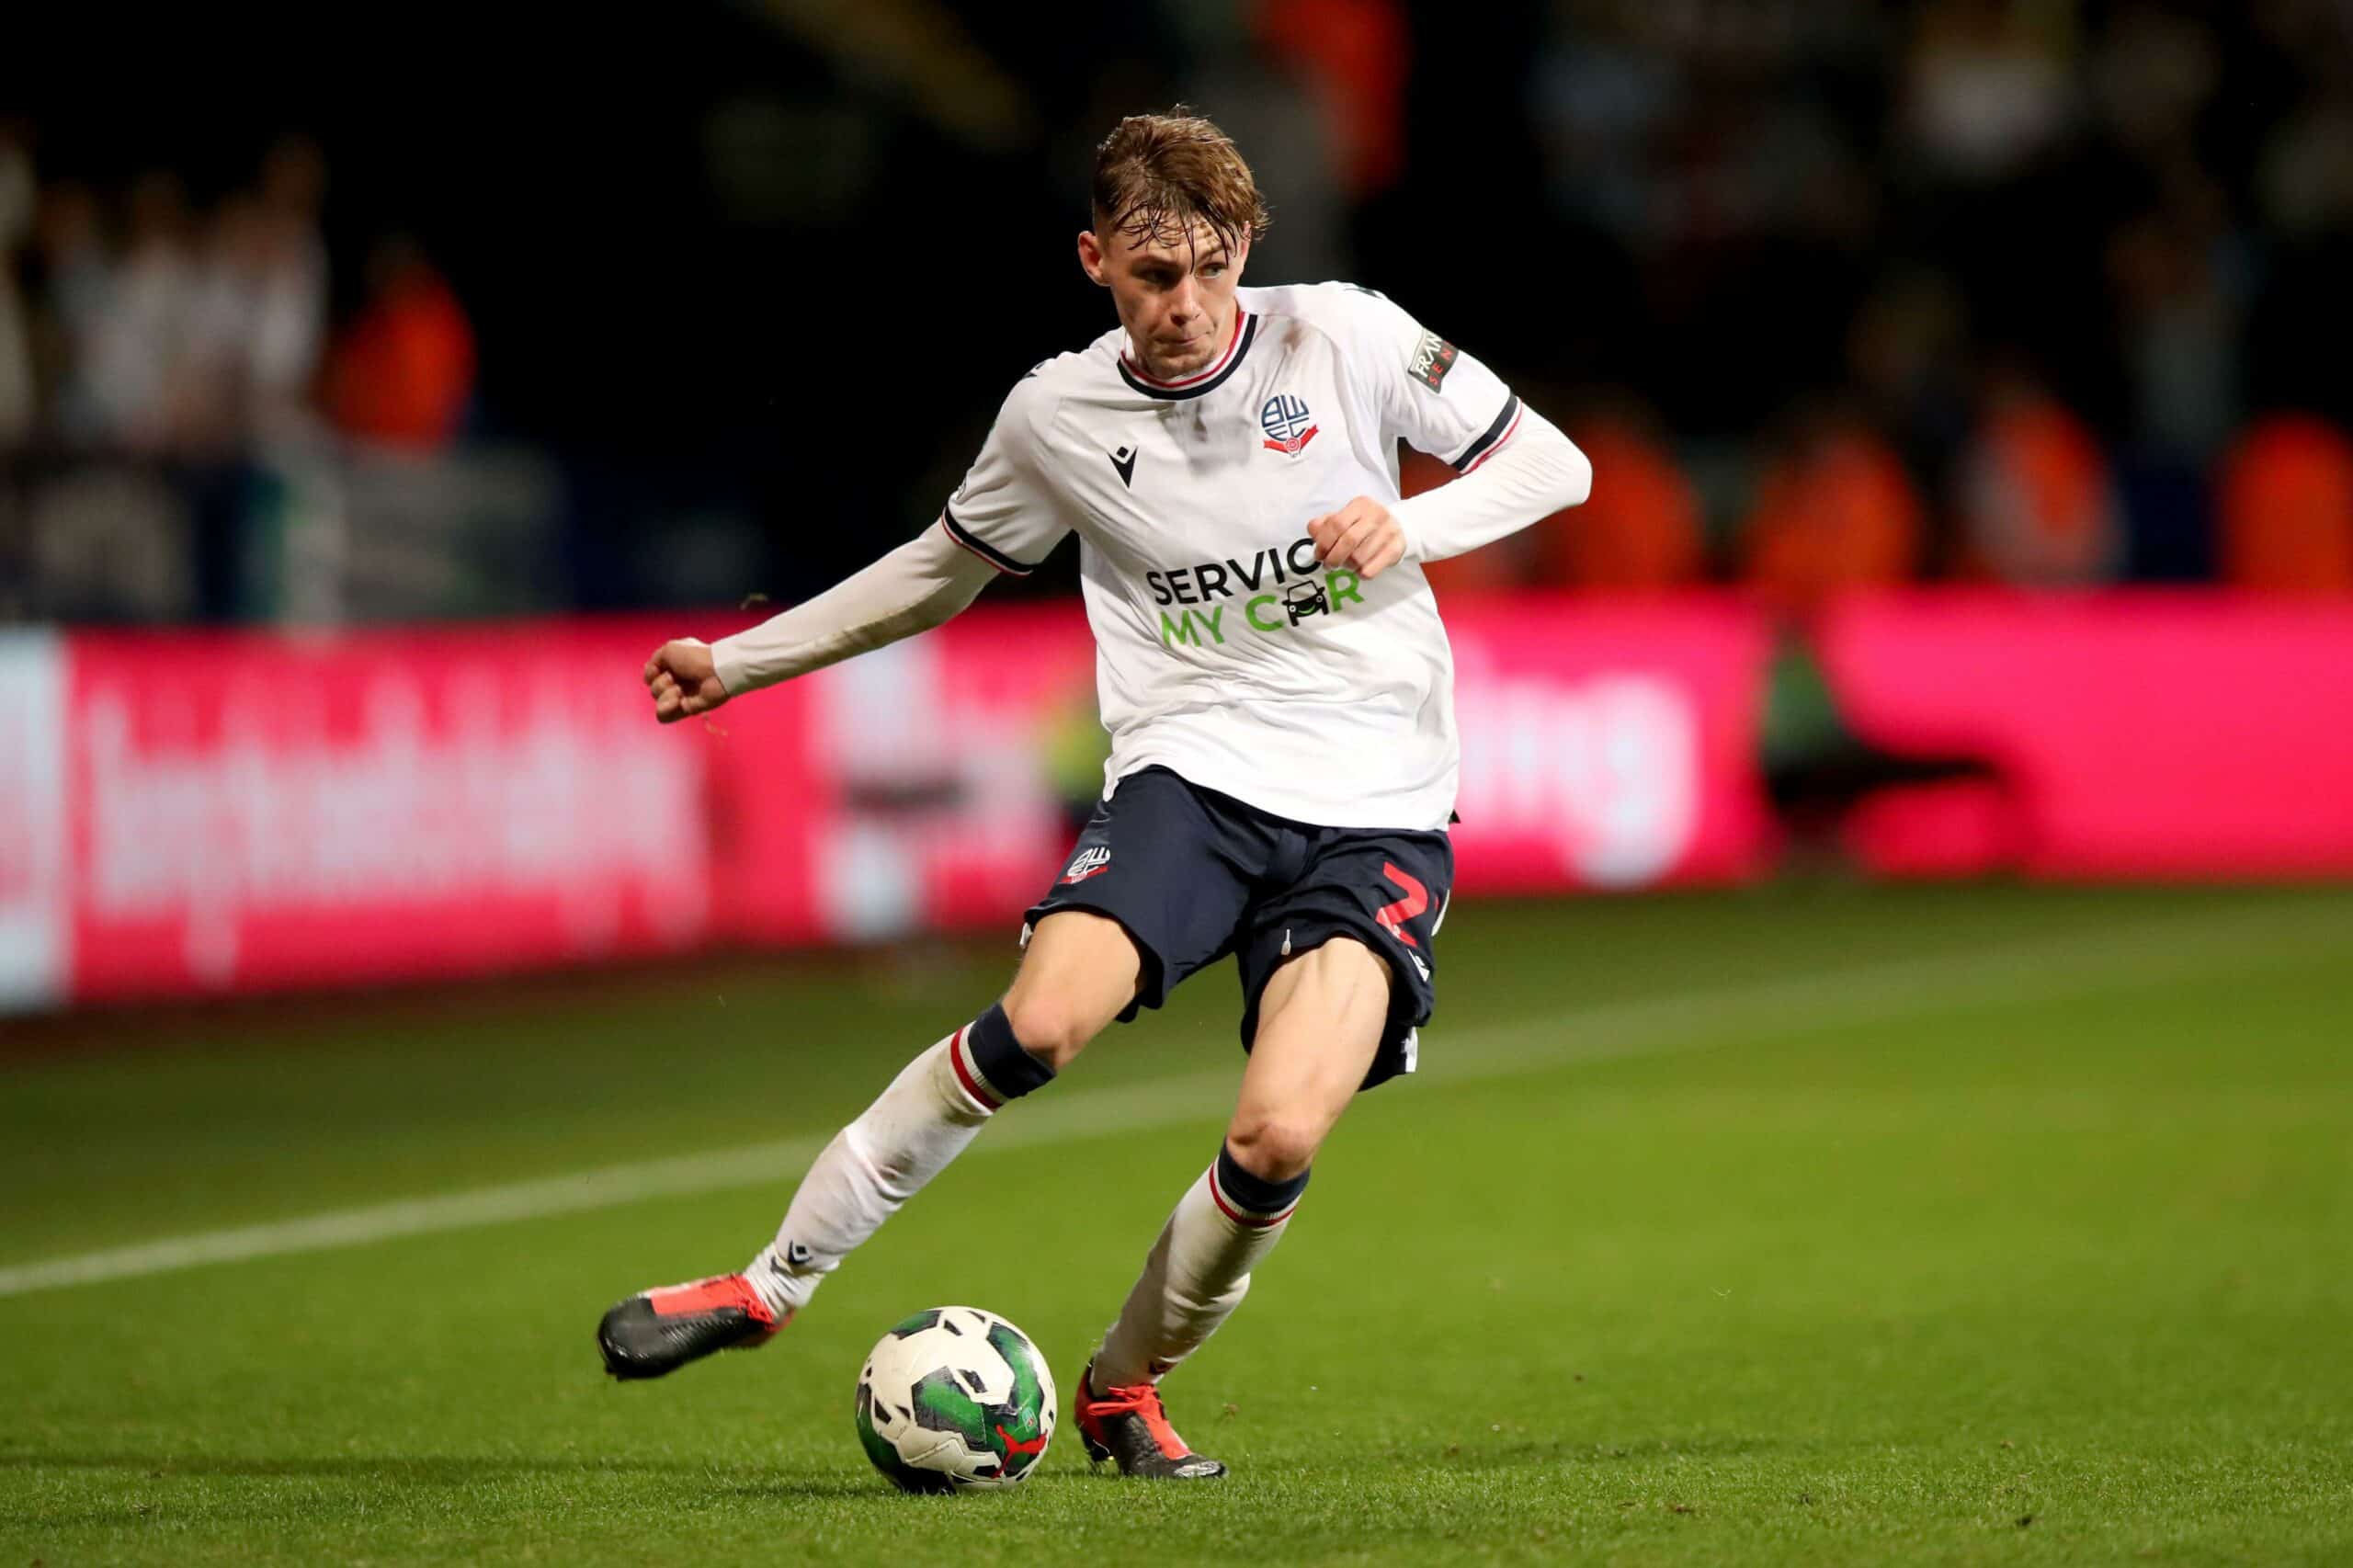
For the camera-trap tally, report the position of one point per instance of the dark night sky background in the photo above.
(828, 360)
(557, 168)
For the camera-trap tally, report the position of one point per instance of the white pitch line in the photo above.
(2079, 964)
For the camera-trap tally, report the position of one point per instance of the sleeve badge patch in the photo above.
(1433, 358)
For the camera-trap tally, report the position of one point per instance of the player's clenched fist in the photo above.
(1363, 535)
(683, 681)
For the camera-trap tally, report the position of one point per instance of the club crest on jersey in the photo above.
(1288, 425)
(1087, 863)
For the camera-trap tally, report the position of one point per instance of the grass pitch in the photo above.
(1808, 1225)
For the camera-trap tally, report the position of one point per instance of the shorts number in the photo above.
(1393, 916)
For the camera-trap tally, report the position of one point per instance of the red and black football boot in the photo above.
(659, 1331)
(1130, 1425)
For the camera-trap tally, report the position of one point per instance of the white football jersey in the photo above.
(1223, 652)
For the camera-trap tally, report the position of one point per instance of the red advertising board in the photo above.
(932, 785)
(197, 814)
(906, 789)
(1608, 746)
(256, 812)
(253, 811)
(35, 893)
(2140, 734)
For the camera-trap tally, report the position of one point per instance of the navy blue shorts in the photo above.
(1194, 875)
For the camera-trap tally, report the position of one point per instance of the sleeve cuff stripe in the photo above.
(1492, 436)
(1504, 440)
(980, 548)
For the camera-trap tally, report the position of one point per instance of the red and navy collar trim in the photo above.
(1245, 328)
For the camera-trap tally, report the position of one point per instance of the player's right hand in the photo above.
(683, 681)
(1363, 535)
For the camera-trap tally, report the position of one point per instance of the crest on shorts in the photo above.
(1288, 425)
(1087, 862)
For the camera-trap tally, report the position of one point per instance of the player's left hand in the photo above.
(1363, 535)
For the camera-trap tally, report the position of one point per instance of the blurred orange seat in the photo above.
(403, 370)
(1838, 513)
(2037, 507)
(1639, 531)
(2285, 507)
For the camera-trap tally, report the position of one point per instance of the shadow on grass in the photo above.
(738, 1481)
(432, 1470)
(368, 1482)
(860, 1484)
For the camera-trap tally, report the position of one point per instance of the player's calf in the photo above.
(1196, 1273)
(931, 1112)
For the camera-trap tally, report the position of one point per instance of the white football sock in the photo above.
(902, 1140)
(1196, 1275)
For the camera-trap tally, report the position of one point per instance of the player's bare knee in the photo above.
(1080, 970)
(1049, 1026)
(1274, 1145)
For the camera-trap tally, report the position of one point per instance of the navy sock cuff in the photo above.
(999, 1059)
(1253, 1199)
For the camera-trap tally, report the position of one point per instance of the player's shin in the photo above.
(1197, 1272)
(931, 1111)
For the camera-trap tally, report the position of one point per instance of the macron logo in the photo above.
(1124, 459)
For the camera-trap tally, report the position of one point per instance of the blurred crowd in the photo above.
(2030, 291)
(2034, 501)
(135, 322)
(2043, 292)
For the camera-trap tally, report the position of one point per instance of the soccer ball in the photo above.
(955, 1398)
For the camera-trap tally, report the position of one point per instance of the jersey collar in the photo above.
(1245, 327)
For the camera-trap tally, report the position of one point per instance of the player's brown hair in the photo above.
(1158, 176)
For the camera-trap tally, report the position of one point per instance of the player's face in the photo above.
(1175, 299)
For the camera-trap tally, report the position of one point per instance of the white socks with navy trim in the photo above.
(931, 1111)
(906, 1137)
(1196, 1273)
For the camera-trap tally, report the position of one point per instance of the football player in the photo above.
(1277, 688)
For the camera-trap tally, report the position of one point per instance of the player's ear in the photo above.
(1090, 259)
